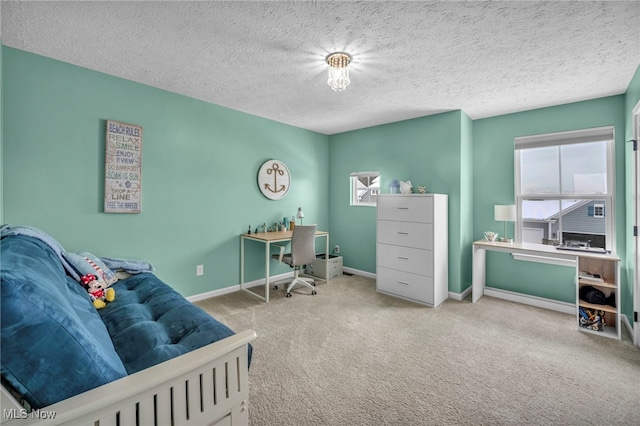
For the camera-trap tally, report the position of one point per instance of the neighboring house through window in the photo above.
(365, 187)
(565, 186)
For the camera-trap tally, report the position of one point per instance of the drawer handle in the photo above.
(403, 258)
(402, 283)
(403, 233)
(403, 208)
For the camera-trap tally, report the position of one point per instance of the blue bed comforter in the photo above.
(55, 344)
(149, 323)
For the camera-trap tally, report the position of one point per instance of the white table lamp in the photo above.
(505, 214)
(300, 214)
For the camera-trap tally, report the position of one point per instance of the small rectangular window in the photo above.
(365, 187)
(598, 210)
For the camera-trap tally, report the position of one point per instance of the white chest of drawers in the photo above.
(412, 247)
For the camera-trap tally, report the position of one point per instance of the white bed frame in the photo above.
(208, 386)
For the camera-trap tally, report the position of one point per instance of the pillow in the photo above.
(87, 263)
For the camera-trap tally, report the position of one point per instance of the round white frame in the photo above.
(274, 179)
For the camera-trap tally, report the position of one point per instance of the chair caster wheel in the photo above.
(313, 283)
(313, 292)
(288, 294)
(275, 287)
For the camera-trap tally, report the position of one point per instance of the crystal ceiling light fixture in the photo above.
(338, 71)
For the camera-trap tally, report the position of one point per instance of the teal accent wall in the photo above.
(433, 151)
(632, 97)
(200, 162)
(493, 153)
(199, 171)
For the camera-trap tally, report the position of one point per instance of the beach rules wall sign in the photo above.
(123, 168)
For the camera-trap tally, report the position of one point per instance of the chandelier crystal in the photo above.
(338, 71)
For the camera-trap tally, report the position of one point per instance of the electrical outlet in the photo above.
(336, 249)
(200, 270)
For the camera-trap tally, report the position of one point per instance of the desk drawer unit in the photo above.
(412, 247)
(317, 268)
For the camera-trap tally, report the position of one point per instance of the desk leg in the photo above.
(241, 263)
(479, 273)
(326, 258)
(267, 258)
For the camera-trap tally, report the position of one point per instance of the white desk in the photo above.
(606, 263)
(267, 238)
(539, 252)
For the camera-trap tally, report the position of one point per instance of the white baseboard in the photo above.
(213, 293)
(359, 272)
(540, 302)
(452, 295)
(460, 296)
(234, 288)
(629, 327)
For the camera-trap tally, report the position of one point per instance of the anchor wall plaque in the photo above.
(274, 179)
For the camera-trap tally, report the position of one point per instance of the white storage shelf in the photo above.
(608, 267)
(412, 247)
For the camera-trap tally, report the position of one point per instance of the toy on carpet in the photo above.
(97, 291)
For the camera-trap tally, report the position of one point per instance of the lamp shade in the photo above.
(504, 213)
(300, 213)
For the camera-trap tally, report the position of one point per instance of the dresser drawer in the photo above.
(407, 259)
(416, 208)
(410, 234)
(404, 284)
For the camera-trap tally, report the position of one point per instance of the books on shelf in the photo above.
(588, 276)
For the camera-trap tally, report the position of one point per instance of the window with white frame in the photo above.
(365, 187)
(597, 210)
(565, 186)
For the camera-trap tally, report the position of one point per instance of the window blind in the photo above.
(597, 134)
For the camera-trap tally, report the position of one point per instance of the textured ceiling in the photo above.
(410, 59)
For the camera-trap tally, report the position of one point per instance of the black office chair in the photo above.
(303, 252)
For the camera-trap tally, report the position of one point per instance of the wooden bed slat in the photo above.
(128, 415)
(207, 390)
(163, 407)
(193, 396)
(221, 384)
(179, 403)
(146, 412)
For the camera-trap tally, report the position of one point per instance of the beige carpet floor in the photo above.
(352, 356)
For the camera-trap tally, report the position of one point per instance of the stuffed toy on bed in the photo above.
(97, 291)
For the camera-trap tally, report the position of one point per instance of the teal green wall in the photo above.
(632, 97)
(199, 171)
(430, 151)
(493, 183)
(200, 164)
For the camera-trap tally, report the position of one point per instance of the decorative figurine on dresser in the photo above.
(412, 247)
